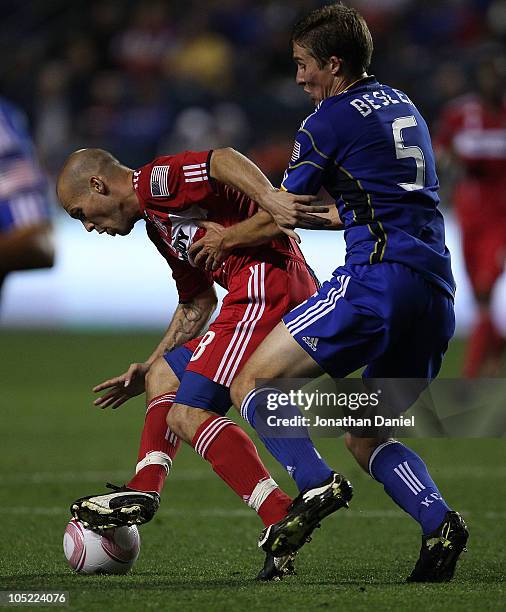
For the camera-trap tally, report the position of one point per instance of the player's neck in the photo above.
(128, 195)
(342, 84)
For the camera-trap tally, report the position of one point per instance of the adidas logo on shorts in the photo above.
(311, 342)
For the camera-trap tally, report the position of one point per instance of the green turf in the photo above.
(199, 552)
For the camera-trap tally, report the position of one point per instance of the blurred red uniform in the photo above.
(263, 283)
(474, 131)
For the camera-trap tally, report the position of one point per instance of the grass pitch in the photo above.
(200, 550)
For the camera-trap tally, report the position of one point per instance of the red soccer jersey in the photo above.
(175, 192)
(477, 135)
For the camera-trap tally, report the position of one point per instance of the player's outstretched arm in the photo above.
(188, 321)
(287, 209)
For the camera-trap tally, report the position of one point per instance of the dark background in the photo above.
(142, 77)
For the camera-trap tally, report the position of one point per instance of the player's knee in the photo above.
(176, 420)
(160, 379)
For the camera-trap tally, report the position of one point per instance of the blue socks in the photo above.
(401, 471)
(407, 481)
(289, 444)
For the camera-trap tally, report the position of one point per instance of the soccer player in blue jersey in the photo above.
(390, 306)
(25, 230)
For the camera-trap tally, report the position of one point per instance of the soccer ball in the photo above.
(112, 551)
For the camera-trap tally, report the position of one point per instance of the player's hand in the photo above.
(123, 387)
(290, 210)
(209, 252)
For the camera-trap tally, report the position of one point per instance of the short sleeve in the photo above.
(175, 181)
(312, 152)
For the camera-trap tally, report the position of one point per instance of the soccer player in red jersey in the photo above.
(472, 134)
(187, 378)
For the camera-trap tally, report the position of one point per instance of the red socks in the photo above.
(235, 459)
(223, 444)
(158, 447)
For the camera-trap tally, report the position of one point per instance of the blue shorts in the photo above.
(384, 316)
(196, 390)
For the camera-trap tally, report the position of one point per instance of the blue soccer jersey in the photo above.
(23, 187)
(370, 148)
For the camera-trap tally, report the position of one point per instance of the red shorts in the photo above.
(484, 253)
(257, 300)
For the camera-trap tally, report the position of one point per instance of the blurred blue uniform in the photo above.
(391, 305)
(23, 187)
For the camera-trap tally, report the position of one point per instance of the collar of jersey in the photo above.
(367, 80)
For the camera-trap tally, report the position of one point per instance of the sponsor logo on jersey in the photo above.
(181, 242)
(159, 181)
(311, 342)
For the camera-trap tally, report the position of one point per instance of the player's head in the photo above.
(96, 189)
(330, 43)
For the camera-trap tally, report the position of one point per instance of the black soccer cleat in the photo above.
(122, 508)
(304, 516)
(440, 551)
(276, 568)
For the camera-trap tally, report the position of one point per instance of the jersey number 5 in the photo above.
(414, 152)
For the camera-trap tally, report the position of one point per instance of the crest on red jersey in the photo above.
(159, 181)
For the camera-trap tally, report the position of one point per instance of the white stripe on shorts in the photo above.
(244, 328)
(323, 308)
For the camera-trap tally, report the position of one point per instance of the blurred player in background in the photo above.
(472, 135)
(26, 240)
(390, 306)
(188, 377)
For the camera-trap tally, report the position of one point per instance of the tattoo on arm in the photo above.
(188, 320)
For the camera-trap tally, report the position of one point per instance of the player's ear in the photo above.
(97, 185)
(336, 65)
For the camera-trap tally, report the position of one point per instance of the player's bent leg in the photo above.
(136, 502)
(233, 457)
(231, 454)
(322, 490)
(185, 420)
(198, 418)
(280, 356)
